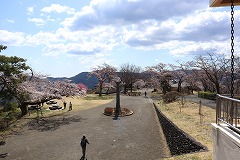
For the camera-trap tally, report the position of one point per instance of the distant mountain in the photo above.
(82, 77)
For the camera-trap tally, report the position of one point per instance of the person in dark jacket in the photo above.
(84, 143)
(70, 106)
(64, 105)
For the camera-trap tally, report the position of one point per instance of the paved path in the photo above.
(205, 102)
(136, 137)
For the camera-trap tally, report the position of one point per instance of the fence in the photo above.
(228, 112)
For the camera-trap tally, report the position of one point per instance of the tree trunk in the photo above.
(100, 92)
(100, 89)
(125, 89)
(23, 108)
(179, 86)
(217, 88)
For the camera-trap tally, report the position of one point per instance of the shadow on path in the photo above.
(52, 123)
(116, 116)
(3, 155)
(2, 143)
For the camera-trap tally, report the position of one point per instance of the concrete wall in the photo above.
(226, 143)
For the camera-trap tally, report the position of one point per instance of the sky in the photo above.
(62, 38)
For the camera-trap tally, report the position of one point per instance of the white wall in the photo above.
(226, 143)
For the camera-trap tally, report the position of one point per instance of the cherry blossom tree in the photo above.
(19, 83)
(161, 76)
(139, 84)
(39, 90)
(109, 86)
(82, 86)
(13, 72)
(104, 74)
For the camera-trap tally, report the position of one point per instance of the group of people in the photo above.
(65, 105)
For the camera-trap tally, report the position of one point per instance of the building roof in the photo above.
(219, 3)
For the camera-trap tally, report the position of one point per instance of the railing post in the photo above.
(226, 113)
(231, 113)
(236, 114)
(218, 108)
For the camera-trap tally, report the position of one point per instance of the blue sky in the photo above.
(63, 38)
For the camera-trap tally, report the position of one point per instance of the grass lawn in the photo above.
(79, 103)
(189, 121)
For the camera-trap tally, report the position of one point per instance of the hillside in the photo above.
(82, 77)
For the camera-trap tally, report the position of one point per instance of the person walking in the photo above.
(145, 93)
(83, 144)
(70, 106)
(64, 104)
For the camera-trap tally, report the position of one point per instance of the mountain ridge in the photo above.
(82, 77)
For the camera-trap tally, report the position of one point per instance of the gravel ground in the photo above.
(135, 137)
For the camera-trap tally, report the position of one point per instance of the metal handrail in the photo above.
(228, 112)
(231, 126)
(229, 98)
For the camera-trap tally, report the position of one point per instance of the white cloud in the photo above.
(37, 21)
(184, 28)
(54, 49)
(42, 38)
(81, 48)
(9, 20)
(125, 12)
(150, 26)
(58, 9)
(30, 10)
(92, 61)
(11, 38)
(187, 35)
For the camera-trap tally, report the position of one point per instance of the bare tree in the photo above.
(104, 73)
(179, 73)
(214, 67)
(129, 74)
(200, 76)
(235, 76)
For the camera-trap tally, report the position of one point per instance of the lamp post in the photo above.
(118, 81)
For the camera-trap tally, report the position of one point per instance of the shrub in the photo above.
(207, 95)
(10, 106)
(8, 114)
(171, 96)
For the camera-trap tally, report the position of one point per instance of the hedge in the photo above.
(207, 95)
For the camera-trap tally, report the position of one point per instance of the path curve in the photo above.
(138, 136)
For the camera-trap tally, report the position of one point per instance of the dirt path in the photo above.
(134, 137)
